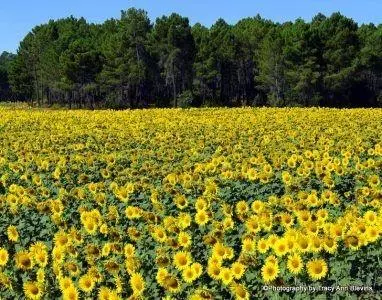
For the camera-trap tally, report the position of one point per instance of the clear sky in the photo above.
(18, 17)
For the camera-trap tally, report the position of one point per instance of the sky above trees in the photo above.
(18, 17)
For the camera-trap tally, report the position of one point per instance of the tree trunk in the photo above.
(174, 89)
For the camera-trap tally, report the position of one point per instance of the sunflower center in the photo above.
(270, 271)
(318, 269)
(240, 292)
(34, 290)
(26, 262)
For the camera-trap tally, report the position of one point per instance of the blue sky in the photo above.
(18, 17)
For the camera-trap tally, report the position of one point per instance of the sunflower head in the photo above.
(137, 283)
(269, 271)
(182, 259)
(4, 256)
(24, 260)
(32, 290)
(295, 264)
(317, 269)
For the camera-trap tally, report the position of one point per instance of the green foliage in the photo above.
(185, 99)
(6, 60)
(131, 62)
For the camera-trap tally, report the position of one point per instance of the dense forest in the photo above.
(132, 62)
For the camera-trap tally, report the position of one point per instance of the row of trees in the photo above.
(130, 62)
(5, 62)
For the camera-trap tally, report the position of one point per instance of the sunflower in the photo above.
(291, 243)
(201, 217)
(184, 220)
(370, 217)
(118, 284)
(137, 284)
(373, 180)
(262, 246)
(95, 274)
(12, 233)
(215, 260)
(4, 256)
(72, 267)
(184, 239)
(219, 250)
(122, 194)
(100, 198)
(315, 244)
(322, 214)
(213, 270)
(242, 207)
(171, 283)
(295, 264)
(188, 274)
(195, 296)
(336, 231)
(132, 265)
(130, 212)
(239, 292)
(372, 234)
(237, 270)
(251, 174)
(291, 163)
(361, 227)
(40, 276)
(248, 245)
(105, 293)
(106, 248)
(180, 201)
(303, 244)
(311, 228)
(287, 178)
(129, 250)
(105, 173)
(269, 271)
(86, 283)
(162, 260)
(229, 253)
(312, 200)
(162, 273)
(197, 268)
(280, 247)
(286, 220)
(253, 224)
(90, 226)
(272, 260)
(317, 269)
(71, 293)
(24, 260)
(58, 254)
(65, 283)
(32, 290)
(228, 223)
(172, 179)
(330, 245)
(182, 259)
(38, 247)
(272, 239)
(353, 242)
(159, 234)
(226, 276)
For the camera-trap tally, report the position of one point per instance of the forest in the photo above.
(132, 62)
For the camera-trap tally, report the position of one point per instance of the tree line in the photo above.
(132, 62)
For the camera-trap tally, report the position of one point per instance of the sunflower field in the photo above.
(190, 204)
